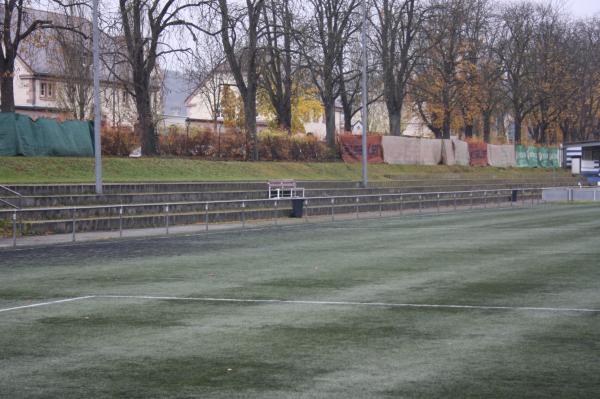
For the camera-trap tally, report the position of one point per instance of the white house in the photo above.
(44, 78)
(206, 98)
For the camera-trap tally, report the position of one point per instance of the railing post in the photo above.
(14, 228)
(332, 211)
(73, 225)
(471, 195)
(276, 213)
(454, 201)
(420, 203)
(121, 222)
(306, 211)
(485, 199)
(401, 204)
(380, 205)
(167, 218)
(357, 200)
(243, 215)
(438, 203)
(206, 216)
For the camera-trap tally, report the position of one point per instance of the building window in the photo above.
(47, 90)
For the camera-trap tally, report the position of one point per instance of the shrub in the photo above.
(273, 145)
(118, 141)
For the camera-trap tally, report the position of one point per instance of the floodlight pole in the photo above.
(365, 180)
(97, 110)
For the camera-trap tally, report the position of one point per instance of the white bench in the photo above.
(284, 189)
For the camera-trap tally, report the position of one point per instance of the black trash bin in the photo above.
(297, 207)
(513, 197)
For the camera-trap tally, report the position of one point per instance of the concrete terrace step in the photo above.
(150, 202)
(43, 201)
(154, 188)
(106, 219)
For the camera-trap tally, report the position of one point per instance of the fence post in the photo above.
(243, 215)
(332, 211)
(121, 222)
(73, 225)
(276, 213)
(167, 218)
(438, 203)
(420, 203)
(14, 228)
(401, 204)
(206, 217)
(380, 205)
(454, 201)
(357, 200)
(471, 195)
(306, 211)
(485, 199)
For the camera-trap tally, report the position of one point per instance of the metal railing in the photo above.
(13, 194)
(315, 208)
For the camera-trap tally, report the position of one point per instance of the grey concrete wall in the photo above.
(560, 194)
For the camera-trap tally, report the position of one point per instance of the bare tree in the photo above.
(437, 86)
(324, 37)
(580, 116)
(514, 49)
(279, 67)
(207, 74)
(397, 24)
(243, 21)
(143, 25)
(19, 22)
(476, 25)
(550, 88)
(75, 62)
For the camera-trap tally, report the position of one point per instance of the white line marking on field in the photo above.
(35, 305)
(343, 303)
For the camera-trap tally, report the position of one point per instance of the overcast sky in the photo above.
(583, 8)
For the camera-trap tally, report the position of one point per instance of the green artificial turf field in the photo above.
(512, 309)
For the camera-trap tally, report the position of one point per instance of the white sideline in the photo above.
(35, 305)
(307, 302)
(344, 303)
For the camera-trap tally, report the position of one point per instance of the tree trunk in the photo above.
(446, 124)
(250, 123)
(469, 131)
(487, 121)
(330, 123)
(395, 120)
(284, 117)
(146, 128)
(518, 124)
(347, 121)
(7, 94)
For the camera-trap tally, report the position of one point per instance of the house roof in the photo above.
(41, 52)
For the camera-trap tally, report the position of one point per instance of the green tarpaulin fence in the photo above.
(521, 153)
(534, 157)
(533, 160)
(20, 135)
(553, 158)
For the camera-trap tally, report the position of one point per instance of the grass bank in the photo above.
(80, 170)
